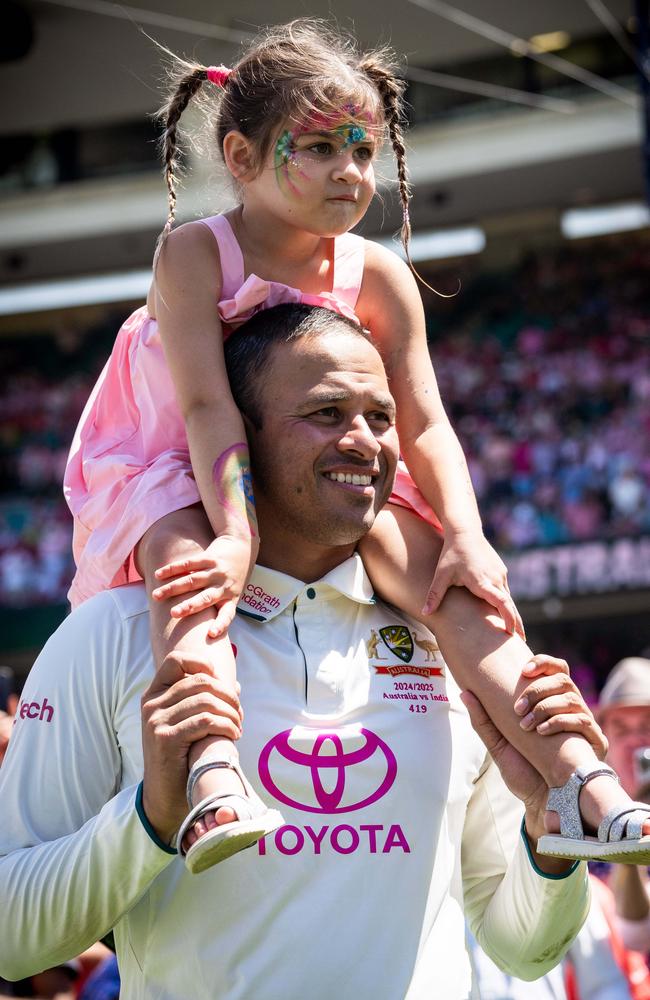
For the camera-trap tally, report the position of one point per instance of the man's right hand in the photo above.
(183, 704)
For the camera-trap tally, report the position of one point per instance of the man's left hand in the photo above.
(556, 706)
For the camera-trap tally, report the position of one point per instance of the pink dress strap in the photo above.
(242, 297)
(232, 260)
(349, 258)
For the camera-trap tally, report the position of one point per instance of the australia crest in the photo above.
(399, 640)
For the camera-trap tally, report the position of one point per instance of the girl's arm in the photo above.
(390, 305)
(187, 290)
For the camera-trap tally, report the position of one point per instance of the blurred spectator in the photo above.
(71, 979)
(8, 706)
(103, 983)
(624, 714)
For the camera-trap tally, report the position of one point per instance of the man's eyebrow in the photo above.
(327, 396)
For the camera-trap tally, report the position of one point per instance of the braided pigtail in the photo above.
(391, 90)
(188, 85)
(177, 104)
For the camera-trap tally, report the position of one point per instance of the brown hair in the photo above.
(247, 351)
(292, 72)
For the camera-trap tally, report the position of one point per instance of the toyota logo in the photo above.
(327, 763)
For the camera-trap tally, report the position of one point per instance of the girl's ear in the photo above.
(239, 156)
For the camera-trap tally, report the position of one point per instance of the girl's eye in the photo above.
(322, 148)
(364, 153)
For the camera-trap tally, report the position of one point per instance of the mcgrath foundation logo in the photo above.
(328, 764)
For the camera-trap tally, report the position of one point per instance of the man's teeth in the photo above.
(348, 477)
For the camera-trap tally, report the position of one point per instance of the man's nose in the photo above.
(359, 438)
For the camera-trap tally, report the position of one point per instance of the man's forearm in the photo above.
(523, 918)
(74, 852)
(533, 829)
(69, 893)
(532, 917)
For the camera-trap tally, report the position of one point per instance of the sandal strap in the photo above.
(614, 827)
(565, 799)
(635, 822)
(208, 765)
(243, 808)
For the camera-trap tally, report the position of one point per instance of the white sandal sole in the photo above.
(227, 839)
(630, 852)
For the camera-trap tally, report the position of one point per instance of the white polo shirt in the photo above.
(396, 824)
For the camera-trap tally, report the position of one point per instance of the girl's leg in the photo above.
(174, 537)
(400, 554)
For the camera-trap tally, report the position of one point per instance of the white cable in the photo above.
(606, 18)
(524, 48)
(185, 24)
(493, 90)
(203, 29)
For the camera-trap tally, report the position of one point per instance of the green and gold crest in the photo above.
(399, 640)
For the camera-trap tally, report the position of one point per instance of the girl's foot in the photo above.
(226, 815)
(593, 798)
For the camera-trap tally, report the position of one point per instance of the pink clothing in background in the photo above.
(129, 463)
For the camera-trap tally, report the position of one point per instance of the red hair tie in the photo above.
(218, 75)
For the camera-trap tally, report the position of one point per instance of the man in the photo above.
(395, 820)
(624, 713)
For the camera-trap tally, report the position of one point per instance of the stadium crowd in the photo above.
(546, 376)
(544, 371)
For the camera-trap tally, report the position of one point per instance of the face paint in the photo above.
(231, 475)
(349, 116)
(346, 126)
(284, 158)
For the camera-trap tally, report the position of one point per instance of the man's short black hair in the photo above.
(247, 349)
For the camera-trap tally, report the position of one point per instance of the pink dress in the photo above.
(129, 463)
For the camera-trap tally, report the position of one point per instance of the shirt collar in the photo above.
(268, 593)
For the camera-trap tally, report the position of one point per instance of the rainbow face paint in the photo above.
(285, 161)
(348, 128)
(233, 483)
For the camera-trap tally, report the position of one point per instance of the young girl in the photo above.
(298, 122)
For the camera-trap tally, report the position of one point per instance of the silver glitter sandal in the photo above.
(253, 822)
(619, 836)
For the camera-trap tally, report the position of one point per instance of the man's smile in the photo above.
(359, 480)
(347, 477)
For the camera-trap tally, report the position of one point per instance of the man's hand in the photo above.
(552, 703)
(556, 706)
(183, 704)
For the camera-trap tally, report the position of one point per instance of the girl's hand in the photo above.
(216, 578)
(468, 560)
